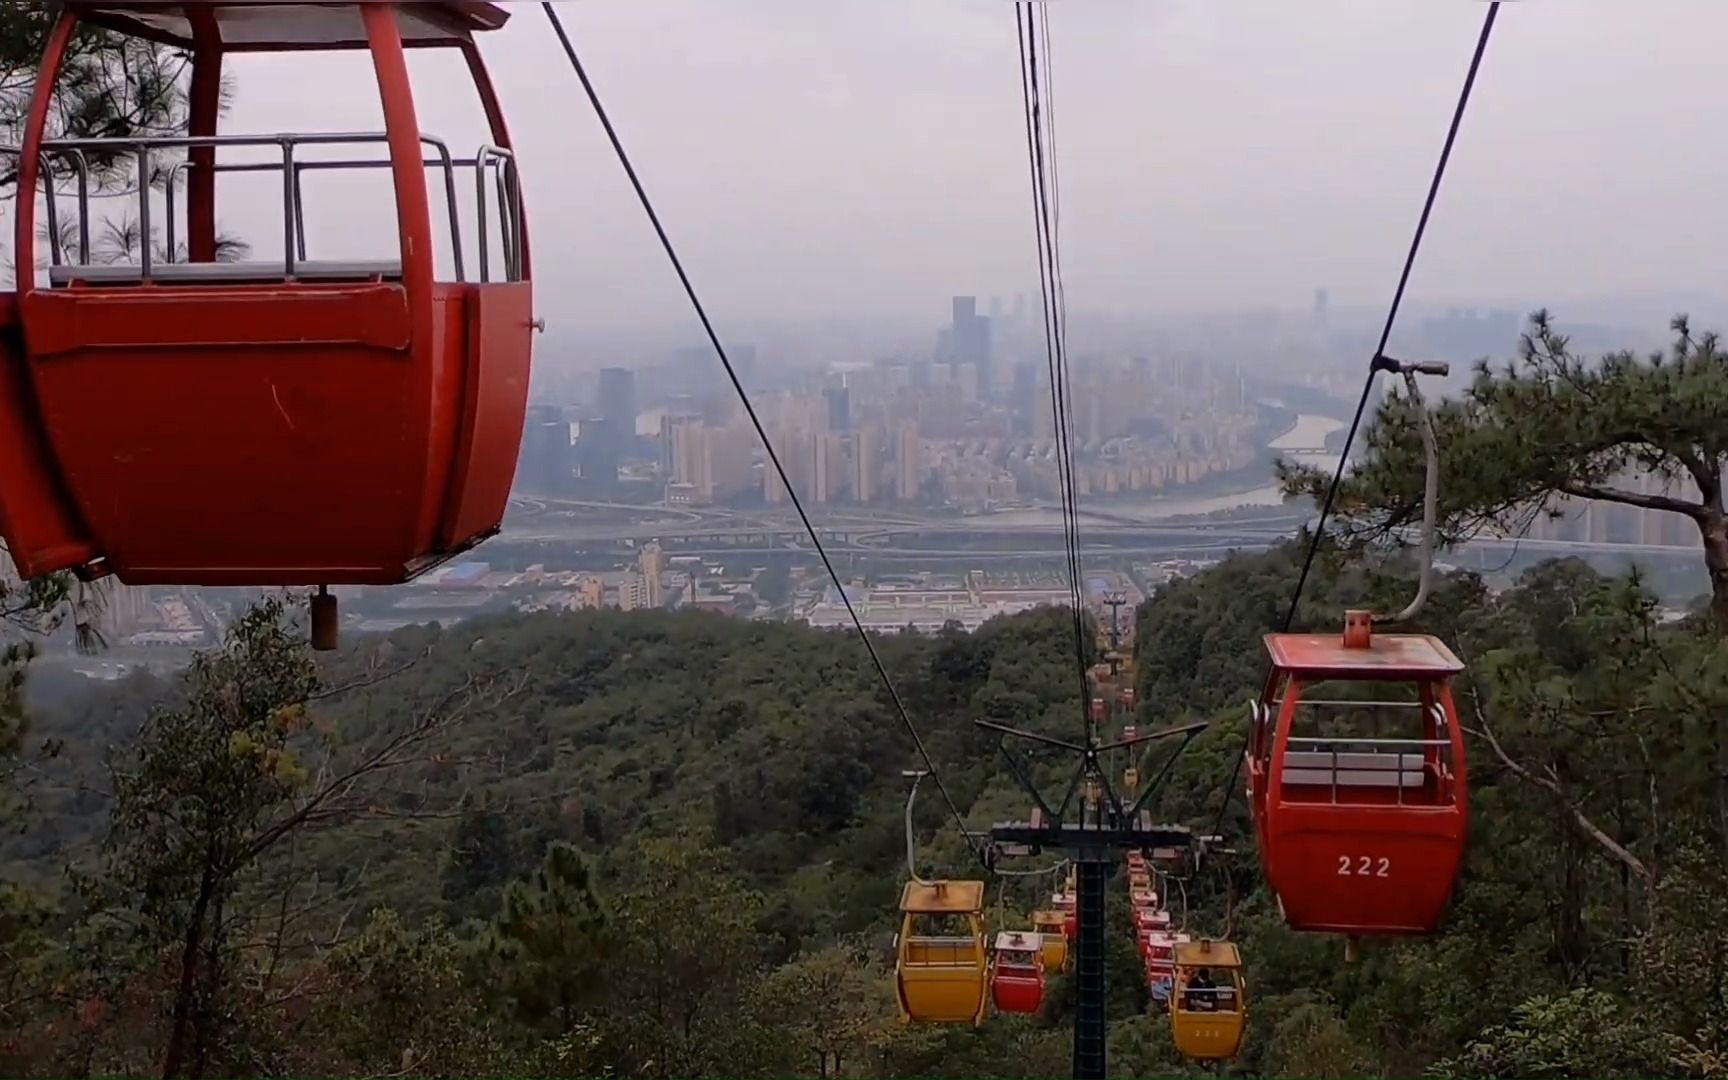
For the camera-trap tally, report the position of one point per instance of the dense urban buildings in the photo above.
(940, 429)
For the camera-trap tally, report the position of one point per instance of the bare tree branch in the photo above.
(1558, 790)
(328, 800)
(369, 680)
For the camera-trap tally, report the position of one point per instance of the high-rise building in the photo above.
(617, 409)
(652, 562)
(681, 412)
(797, 453)
(969, 343)
(1023, 404)
(966, 376)
(632, 593)
(612, 436)
(821, 468)
(690, 457)
(546, 458)
(773, 488)
(866, 466)
(729, 453)
(596, 454)
(909, 464)
(839, 402)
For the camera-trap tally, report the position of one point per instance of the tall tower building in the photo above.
(617, 408)
(969, 343)
(866, 450)
(909, 471)
(965, 309)
(773, 488)
(729, 460)
(1024, 401)
(546, 451)
(670, 422)
(966, 377)
(797, 454)
(836, 464)
(839, 412)
(819, 466)
(690, 460)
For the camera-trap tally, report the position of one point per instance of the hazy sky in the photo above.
(869, 155)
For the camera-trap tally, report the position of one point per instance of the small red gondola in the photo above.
(1150, 918)
(1017, 972)
(1158, 955)
(1359, 833)
(292, 421)
(1065, 902)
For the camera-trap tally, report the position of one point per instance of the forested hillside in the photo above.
(670, 844)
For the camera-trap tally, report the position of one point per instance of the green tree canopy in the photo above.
(551, 939)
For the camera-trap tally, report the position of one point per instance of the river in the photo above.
(1304, 442)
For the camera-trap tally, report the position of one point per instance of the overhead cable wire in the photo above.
(755, 421)
(1378, 362)
(1055, 322)
(1050, 125)
(1045, 290)
(1044, 105)
(1046, 247)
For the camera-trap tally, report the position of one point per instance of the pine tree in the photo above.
(1555, 425)
(552, 937)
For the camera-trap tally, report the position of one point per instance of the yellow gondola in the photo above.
(942, 977)
(1209, 1008)
(1054, 939)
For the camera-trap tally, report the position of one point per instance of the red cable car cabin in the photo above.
(1150, 918)
(1359, 805)
(292, 421)
(1067, 904)
(1017, 972)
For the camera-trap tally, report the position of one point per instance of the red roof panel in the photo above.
(1390, 656)
(269, 25)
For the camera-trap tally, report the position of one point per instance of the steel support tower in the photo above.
(1095, 828)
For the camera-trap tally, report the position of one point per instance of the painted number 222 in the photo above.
(1365, 866)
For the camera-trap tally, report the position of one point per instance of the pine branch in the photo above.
(1695, 511)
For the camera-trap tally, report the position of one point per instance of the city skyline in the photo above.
(968, 422)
